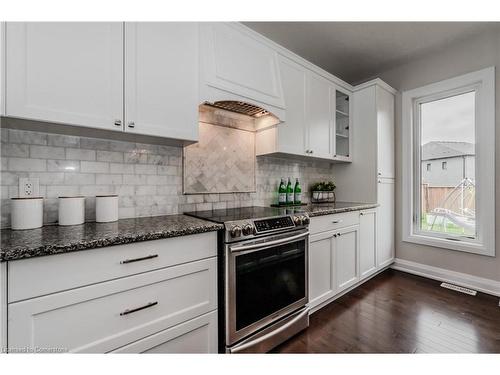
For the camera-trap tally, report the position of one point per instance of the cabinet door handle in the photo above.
(361, 214)
(312, 151)
(335, 235)
(131, 124)
(118, 122)
(126, 261)
(130, 311)
(337, 221)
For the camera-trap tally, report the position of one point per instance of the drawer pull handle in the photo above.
(337, 221)
(130, 311)
(139, 259)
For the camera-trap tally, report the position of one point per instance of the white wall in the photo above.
(464, 56)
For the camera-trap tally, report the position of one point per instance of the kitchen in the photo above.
(228, 195)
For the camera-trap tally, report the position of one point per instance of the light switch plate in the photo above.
(29, 187)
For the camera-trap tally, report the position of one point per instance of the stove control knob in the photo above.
(235, 231)
(305, 220)
(247, 229)
(297, 220)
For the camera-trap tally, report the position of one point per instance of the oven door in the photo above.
(266, 279)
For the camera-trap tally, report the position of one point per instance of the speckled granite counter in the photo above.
(55, 239)
(336, 208)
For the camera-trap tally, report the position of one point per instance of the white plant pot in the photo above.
(26, 213)
(106, 208)
(71, 210)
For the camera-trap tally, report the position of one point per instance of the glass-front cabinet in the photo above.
(342, 125)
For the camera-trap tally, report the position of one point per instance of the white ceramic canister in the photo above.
(106, 208)
(71, 210)
(26, 213)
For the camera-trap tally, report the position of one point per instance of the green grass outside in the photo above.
(449, 228)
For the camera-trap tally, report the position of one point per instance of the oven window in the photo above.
(269, 280)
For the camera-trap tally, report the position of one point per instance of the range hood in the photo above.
(238, 115)
(240, 107)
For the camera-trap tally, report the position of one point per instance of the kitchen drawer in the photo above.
(331, 222)
(103, 317)
(198, 335)
(39, 276)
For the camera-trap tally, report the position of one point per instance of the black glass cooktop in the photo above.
(243, 213)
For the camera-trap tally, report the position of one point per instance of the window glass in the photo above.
(447, 194)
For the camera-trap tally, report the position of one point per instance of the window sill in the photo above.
(464, 246)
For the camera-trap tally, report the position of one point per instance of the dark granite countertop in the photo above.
(318, 209)
(54, 239)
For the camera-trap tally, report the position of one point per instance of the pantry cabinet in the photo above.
(68, 73)
(385, 222)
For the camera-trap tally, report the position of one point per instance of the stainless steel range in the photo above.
(262, 276)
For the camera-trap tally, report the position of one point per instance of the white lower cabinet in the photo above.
(344, 250)
(333, 263)
(169, 309)
(347, 254)
(367, 243)
(198, 335)
(322, 279)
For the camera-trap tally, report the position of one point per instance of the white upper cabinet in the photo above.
(292, 133)
(161, 79)
(319, 116)
(385, 134)
(237, 61)
(65, 72)
(341, 108)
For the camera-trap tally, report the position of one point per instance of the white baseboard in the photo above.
(473, 282)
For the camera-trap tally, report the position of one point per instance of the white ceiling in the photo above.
(357, 51)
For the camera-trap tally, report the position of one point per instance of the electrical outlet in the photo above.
(29, 187)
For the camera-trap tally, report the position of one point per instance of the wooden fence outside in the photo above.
(433, 197)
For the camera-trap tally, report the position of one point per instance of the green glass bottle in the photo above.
(289, 193)
(282, 193)
(297, 193)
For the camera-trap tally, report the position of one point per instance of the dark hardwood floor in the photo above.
(396, 312)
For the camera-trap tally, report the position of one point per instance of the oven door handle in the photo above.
(235, 249)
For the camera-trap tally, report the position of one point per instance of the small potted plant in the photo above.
(323, 192)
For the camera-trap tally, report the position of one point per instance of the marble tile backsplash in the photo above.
(147, 177)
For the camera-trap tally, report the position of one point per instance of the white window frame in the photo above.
(483, 83)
